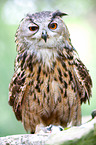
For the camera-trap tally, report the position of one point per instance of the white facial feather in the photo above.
(47, 55)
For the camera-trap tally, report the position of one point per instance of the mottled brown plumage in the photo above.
(50, 82)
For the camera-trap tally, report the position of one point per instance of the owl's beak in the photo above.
(44, 35)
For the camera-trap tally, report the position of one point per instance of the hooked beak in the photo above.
(44, 35)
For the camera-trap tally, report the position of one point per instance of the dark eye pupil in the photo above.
(52, 25)
(33, 28)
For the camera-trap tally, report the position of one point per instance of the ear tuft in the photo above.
(58, 13)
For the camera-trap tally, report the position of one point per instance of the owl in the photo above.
(50, 82)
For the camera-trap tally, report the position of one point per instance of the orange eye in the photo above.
(53, 26)
(33, 28)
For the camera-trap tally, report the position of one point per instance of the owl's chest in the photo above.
(49, 81)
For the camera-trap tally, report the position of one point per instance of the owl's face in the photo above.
(43, 30)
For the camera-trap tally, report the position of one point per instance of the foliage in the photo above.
(85, 140)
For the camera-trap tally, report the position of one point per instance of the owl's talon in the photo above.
(52, 129)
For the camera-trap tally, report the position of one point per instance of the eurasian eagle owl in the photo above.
(50, 82)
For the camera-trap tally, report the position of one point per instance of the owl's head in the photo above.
(42, 30)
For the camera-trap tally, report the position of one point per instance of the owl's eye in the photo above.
(33, 28)
(53, 26)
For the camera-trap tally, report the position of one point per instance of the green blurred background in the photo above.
(82, 26)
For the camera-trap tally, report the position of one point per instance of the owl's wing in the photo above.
(16, 89)
(82, 78)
